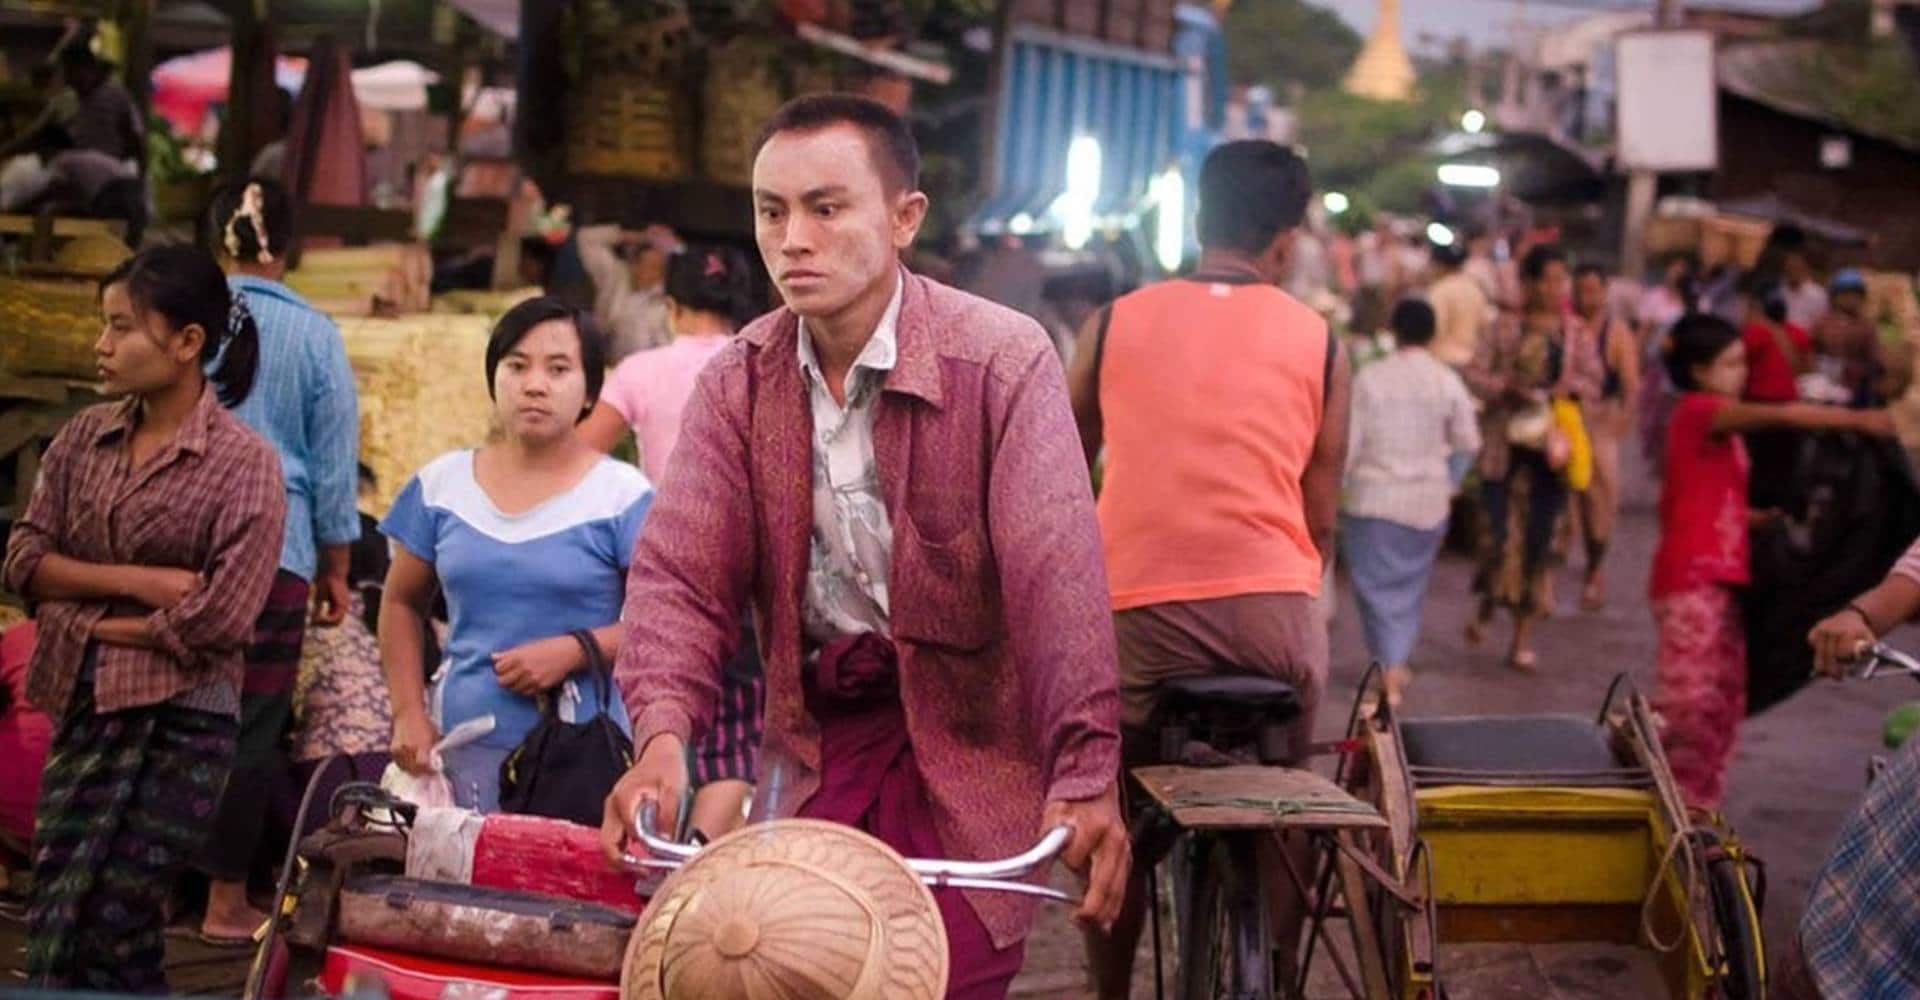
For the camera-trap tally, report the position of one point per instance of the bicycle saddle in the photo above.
(1241, 692)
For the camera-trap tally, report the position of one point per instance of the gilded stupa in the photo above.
(1383, 72)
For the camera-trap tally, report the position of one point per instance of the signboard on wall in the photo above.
(1669, 101)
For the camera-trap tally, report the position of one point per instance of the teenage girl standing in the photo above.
(149, 547)
(1702, 560)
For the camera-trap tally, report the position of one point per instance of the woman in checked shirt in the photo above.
(149, 547)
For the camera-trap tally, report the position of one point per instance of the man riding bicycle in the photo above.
(1222, 405)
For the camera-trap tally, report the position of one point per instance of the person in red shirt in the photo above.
(1702, 558)
(25, 736)
(1778, 352)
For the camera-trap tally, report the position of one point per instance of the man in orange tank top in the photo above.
(1221, 403)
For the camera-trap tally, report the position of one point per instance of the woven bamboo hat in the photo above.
(796, 908)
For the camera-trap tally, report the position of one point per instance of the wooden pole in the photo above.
(250, 86)
(134, 18)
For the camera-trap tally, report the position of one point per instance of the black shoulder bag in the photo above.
(566, 770)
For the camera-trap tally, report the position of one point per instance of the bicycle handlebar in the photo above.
(1878, 656)
(994, 876)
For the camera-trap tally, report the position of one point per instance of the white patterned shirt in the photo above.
(1411, 414)
(852, 535)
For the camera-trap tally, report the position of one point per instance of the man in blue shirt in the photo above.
(303, 402)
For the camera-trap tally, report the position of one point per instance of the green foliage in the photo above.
(1288, 45)
(1874, 90)
(1401, 187)
(1375, 151)
(166, 159)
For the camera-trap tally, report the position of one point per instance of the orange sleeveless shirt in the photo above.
(1211, 396)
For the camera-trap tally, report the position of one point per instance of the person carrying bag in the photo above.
(565, 770)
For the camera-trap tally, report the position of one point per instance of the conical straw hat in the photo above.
(797, 908)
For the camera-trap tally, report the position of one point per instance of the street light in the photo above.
(1469, 175)
(1170, 219)
(1075, 206)
(1335, 203)
(1474, 121)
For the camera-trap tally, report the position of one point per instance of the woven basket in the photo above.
(423, 392)
(741, 92)
(792, 909)
(48, 325)
(623, 118)
(626, 127)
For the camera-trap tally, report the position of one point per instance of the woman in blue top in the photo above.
(529, 537)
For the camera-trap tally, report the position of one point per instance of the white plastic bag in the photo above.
(434, 789)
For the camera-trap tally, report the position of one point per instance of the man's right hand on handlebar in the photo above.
(660, 777)
(1839, 641)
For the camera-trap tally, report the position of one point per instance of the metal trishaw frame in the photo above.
(1208, 823)
(1542, 856)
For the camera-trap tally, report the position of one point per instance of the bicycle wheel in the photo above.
(1737, 920)
(1226, 946)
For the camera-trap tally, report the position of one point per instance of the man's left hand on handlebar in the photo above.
(1100, 852)
(659, 776)
(1839, 641)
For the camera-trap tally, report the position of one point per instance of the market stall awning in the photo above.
(1772, 209)
(502, 17)
(185, 87)
(1057, 89)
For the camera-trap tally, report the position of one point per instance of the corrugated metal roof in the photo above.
(1055, 89)
(1813, 80)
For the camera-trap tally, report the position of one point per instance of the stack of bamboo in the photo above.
(50, 313)
(490, 304)
(423, 392)
(381, 280)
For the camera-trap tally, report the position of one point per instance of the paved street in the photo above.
(1799, 770)
(1800, 767)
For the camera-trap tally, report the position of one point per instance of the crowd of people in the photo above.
(860, 558)
(1562, 362)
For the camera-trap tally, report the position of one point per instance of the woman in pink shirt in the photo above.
(709, 294)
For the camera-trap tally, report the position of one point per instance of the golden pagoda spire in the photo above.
(1383, 71)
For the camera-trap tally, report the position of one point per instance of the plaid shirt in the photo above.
(1411, 415)
(1861, 929)
(211, 501)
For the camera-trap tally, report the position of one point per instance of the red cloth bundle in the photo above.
(551, 856)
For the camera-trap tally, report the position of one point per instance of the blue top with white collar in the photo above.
(513, 578)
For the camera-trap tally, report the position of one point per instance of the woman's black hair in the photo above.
(1766, 292)
(1696, 339)
(514, 326)
(237, 233)
(1533, 266)
(711, 278)
(182, 283)
(1413, 323)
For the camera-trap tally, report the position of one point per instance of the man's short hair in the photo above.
(889, 140)
(1413, 323)
(1250, 192)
